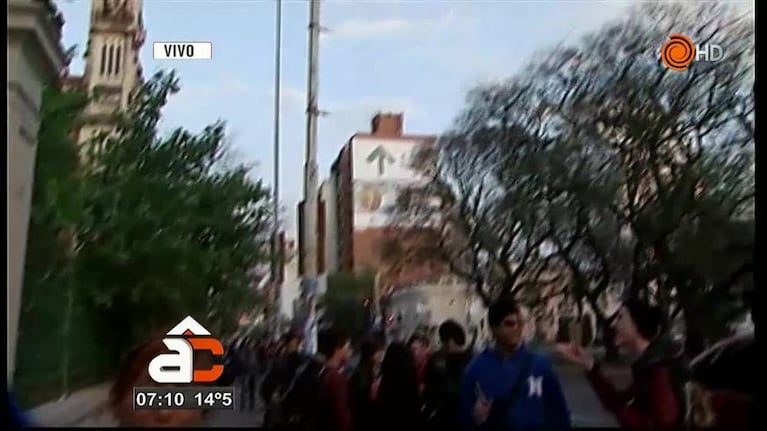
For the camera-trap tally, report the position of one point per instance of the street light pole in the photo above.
(276, 246)
(309, 249)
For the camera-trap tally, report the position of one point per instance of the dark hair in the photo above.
(647, 318)
(369, 346)
(133, 372)
(399, 380)
(132, 367)
(419, 337)
(399, 361)
(452, 330)
(292, 334)
(330, 340)
(500, 309)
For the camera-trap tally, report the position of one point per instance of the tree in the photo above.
(677, 149)
(348, 302)
(169, 206)
(479, 212)
(145, 230)
(599, 162)
(645, 148)
(50, 321)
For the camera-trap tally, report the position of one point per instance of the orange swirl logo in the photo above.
(678, 52)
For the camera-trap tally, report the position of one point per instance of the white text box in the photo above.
(182, 50)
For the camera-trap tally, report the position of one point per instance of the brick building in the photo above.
(365, 179)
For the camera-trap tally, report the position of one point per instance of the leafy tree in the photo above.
(673, 154)
(51, 316)
(478, 214)
(134, 231)
(171, 230)
(598, 163)
(348, 302)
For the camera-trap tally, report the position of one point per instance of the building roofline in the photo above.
(404, 137)
(68, 79)
(337, 160)
(367, 135)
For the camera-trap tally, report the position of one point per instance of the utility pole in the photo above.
(309, 249)
(276, 246)
(310, 166)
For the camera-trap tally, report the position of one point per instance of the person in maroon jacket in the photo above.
(335, 350)
(655, 399)
(420, 347)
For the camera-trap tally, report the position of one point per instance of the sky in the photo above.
(418, 57)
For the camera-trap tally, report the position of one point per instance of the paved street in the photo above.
(234, 419)
(584, 405)
(240, 418)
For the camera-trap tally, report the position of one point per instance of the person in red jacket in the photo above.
(420, 347)
(723, 388)
(655, 399)
(335, 350)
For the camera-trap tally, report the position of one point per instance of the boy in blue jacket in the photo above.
(509, 387)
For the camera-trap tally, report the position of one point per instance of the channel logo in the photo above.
(679, 51)
(179, 367)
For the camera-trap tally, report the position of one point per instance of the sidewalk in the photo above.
(86, 407)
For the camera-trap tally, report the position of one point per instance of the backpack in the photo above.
(444, 381)
(299, 403)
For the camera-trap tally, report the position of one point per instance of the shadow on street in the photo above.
(242, 416)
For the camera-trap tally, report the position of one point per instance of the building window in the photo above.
(118, 58)
(110, 60)
(103, 59)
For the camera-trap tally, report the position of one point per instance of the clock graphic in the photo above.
(369, 198)
(187, 397)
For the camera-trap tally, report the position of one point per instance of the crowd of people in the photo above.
(411, 385)
(414, 385)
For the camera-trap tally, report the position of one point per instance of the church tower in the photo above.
(112, 66)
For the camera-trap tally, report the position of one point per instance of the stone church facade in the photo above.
(113, 69)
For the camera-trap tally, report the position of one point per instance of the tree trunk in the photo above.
(607, 337)
(66, 334)
(486, 298)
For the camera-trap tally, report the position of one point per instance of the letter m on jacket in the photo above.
(535, 386)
